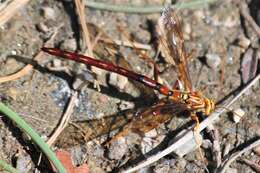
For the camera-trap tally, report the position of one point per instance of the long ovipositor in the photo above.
(110, 67)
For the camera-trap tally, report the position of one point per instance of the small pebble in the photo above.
(124, 105)
(48, 13)
(248, 66)
(100, 115)
(118, 149)
(23, 163)
(233, 54)
(181, 163)
(42, 27)
(95, 149)
(103, 99)
(69, 44)
(257, 150)
(56, 62)
(11, 62)
(146, 145)
(13, 52)
(61, 94)
(77, 154)
(87, 75)
(231, 21)
(163, 167)
(206, 144)
(238, 114)
(97, 71)
(199, 14)
(118, 81)
(151, 134)
(226, 17)
(145, 170)
(243, 42)
(77, 83)
(213, 60)
(233, 170)
(142, 36)
(226, 150)
(187, 31)
(192, 168)
(3, 27)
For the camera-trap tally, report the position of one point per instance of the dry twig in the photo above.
(252, 164)
(128, 44)
(24, 71)
(82, 21)
(226, 149)
(190, 134)
(237, 154)
(86, 36)
(245, 13)
(9, 9)
(65, 119)
(216, 148)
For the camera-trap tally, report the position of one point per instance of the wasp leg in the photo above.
(197, 136)
(196, 119)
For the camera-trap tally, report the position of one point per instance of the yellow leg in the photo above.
(197, 136)
(195, 118)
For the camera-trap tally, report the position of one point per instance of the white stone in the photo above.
(118, 81)
(49, 13)
(213, 60)
(238, 114)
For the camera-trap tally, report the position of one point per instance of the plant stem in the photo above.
(144, 9)
(34, 136)
(7, 167)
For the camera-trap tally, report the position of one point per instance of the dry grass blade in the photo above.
(245, 13)
(234, 156)
(189, 135)
(128, 44)
(252, 164)
(216, 149)
(24, 71)
(9, 8)
(65, 119)
(82, 20)
(86, 36)
(63, 122)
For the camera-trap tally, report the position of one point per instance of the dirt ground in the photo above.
(224, 61)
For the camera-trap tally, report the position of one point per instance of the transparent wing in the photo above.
(152, 117)
(172, 45)
(149, 118)
(158, 114)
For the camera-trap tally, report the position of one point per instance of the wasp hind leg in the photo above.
(197, 136)
(196, 119)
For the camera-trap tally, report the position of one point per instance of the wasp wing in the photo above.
(172, 45)
(152, 117)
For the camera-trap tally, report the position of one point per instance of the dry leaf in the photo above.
(65, 159)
